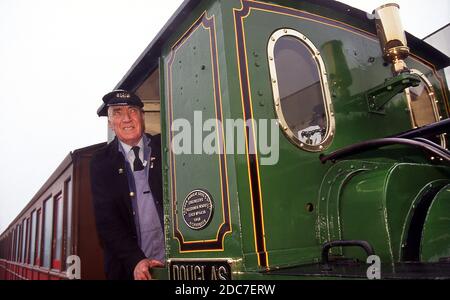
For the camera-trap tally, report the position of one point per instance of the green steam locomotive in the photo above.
(325, 142)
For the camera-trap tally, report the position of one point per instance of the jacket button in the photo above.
(134, 213)
(131, 194)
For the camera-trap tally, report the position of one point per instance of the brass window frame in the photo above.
(434, 102)
(326, 95)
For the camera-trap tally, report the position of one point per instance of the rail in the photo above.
(343, 243)
(378, 143)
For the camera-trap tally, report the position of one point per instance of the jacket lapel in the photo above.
(154, 158)
(120, 172)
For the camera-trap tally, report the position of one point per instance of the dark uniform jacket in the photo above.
(113, 208)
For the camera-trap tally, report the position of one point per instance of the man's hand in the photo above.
(142, 269)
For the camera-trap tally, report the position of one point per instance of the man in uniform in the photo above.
(127, 191)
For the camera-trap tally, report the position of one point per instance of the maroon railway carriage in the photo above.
(57, 223)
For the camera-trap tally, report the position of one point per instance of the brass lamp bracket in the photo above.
(380, 95)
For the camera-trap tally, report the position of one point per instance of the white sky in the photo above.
(59, 57)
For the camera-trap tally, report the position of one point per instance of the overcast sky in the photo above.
(59, 57)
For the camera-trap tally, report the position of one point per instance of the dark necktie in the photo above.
(137, 164)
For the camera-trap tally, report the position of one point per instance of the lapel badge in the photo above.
(120, 171)
(151, 161)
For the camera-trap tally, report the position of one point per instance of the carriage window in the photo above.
(300, 90)
(27, 247)
(15, 245)
(37, 262)
(13, 238)
(422, 105)
(24, 240)
(33, 237)
(12, 246)
(16, 252)
(11, 254)
(48, 230)
(68, 197)
(57, 233)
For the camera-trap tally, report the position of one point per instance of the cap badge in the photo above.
(123, 95)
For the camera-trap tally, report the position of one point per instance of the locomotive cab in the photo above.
(319, 137)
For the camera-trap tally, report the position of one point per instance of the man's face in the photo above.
(127, 122)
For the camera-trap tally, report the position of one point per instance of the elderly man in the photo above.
(127, 191)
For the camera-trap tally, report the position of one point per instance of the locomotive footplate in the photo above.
(354, 270)
(199, 269)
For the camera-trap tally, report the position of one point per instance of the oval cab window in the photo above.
(300, 90)
(423, 106)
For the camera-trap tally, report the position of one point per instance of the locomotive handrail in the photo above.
(378, 143)
(432, 144)
(343, 243)
(427, 130)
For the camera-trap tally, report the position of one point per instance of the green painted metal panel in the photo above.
(193, 83)
(293, 182)
(435, 242)
(376, 205)
(193, 92)
(363, 214)
(407, 183)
